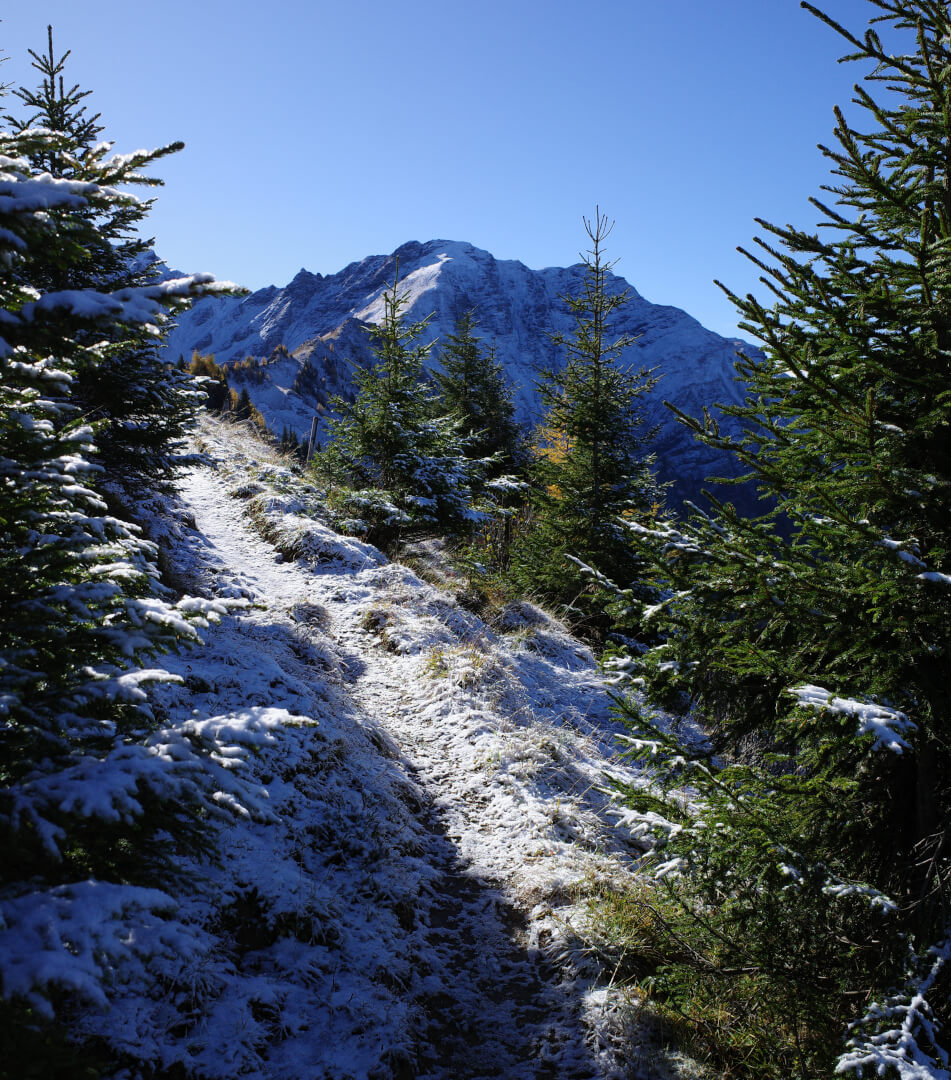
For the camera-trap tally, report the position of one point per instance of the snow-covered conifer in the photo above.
(82, 756)
(141, 405)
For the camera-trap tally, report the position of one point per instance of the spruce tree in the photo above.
(472, 385)
(242, 409)
(288, 442)
(813, 643)
(592, 465)
(86, 779)
(395, 461)
(141, 405)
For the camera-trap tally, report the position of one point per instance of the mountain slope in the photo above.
(321, 321)
(415, 902)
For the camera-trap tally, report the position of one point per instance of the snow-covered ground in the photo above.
(414, 903)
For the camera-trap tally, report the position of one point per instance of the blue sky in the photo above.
(318, 133)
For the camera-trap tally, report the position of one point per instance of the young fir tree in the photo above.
(811, 878)
(243, 406)
(472, 386)
(592, 466)
(396, 463)
(141, 406)
(289, 442)
(86, 780)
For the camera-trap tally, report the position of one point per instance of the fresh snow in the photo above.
(897, 1036)
(882, 721)
(409, 894)
(936, 577)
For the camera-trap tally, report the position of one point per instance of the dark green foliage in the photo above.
(290, 444)
(81, 599)
(813, 643)
(251, 370)
(57, 109)
(764, 935)
(395, 461)
(64, 612)
(591, 463)
(61, 616)
(311, 382)
(140, 405)
(242, 409)
(472, 386)
(83, 793)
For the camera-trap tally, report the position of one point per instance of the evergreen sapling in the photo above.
(592, 466)
(395, 461)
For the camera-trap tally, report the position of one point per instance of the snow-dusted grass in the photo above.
(415, 900)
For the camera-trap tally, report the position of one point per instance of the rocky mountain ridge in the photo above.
(312, 331)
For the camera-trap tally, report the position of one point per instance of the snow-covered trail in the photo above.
(493, 1001)
(494, 740)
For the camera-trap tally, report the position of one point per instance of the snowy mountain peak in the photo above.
(304, 278)
(322, 320)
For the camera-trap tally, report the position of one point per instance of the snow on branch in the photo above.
(641, 826)
(597, 577)
(143, 305)
(74, 936)
(41, 193)
(674, 542)
(192, 764)
(898, 1036)
(935, 577)
(885, 723)
(906, 550)
(842, 890)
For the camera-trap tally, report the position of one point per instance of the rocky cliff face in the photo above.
(321, 321)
